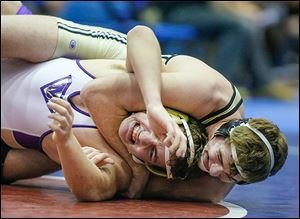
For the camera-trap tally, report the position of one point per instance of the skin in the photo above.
(98, 91)
(179, 71)
(136, 134)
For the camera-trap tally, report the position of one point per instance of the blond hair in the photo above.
(253, 155)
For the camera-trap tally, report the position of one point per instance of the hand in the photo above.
(97, 157)
(62, 120)
(167, 130)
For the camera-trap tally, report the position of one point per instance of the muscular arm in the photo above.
(87, 181)
(110, 98)
(144, 59)
(116, 95)
(202, 188)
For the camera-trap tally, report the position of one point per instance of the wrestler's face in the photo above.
(137, 136)
(216, 159)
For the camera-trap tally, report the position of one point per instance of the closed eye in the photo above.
(152, 154)
(220, 157)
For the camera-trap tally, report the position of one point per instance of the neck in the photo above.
(211, 130)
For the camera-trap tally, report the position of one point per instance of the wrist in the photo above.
(67, 141)
(154, 104)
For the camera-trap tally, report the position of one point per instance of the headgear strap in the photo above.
(191, 142)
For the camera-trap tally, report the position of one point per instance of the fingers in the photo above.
(62, 119)
(55, 127)
(97, 157)
(180, 152)
(177, 143)
(62, 108)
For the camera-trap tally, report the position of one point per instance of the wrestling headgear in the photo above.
(181, 119)
(226, 129)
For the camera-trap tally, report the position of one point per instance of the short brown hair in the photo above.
(253, 155)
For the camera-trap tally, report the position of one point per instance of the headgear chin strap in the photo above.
(154, 169)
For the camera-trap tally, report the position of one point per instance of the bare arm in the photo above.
(120, 94)
(202, 188)
(144, 60)
(86, 180)
(109, 99)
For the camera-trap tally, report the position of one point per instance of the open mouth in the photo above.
(135, 132)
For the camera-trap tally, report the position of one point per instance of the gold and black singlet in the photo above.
(233, 105)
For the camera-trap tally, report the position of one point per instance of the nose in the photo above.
(147, 138)
(215, 169)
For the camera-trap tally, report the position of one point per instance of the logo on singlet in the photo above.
(72, 44)
(56, 88)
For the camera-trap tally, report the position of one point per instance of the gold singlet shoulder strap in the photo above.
(233, 105)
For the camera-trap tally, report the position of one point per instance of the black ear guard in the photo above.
(224, 130)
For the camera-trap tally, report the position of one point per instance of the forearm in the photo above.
(86, 180)
(32, 38)
(144, 59)
(203, 188)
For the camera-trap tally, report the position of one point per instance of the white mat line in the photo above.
(235, 211)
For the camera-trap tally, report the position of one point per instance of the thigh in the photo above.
(26, 163)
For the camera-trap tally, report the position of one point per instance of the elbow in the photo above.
(220, 193)
(88, 197)
(216, 198)
(140, 31)
(93, 194)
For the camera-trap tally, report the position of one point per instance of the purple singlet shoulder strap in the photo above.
(24, 10)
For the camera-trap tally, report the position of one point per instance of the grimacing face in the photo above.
(216, 159)
(137, 136)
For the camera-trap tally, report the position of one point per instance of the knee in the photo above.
(4, 151)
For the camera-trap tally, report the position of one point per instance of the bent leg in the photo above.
(38, 38)
(89, 42)
(29, 37)
(10, 7)
(24, 164)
